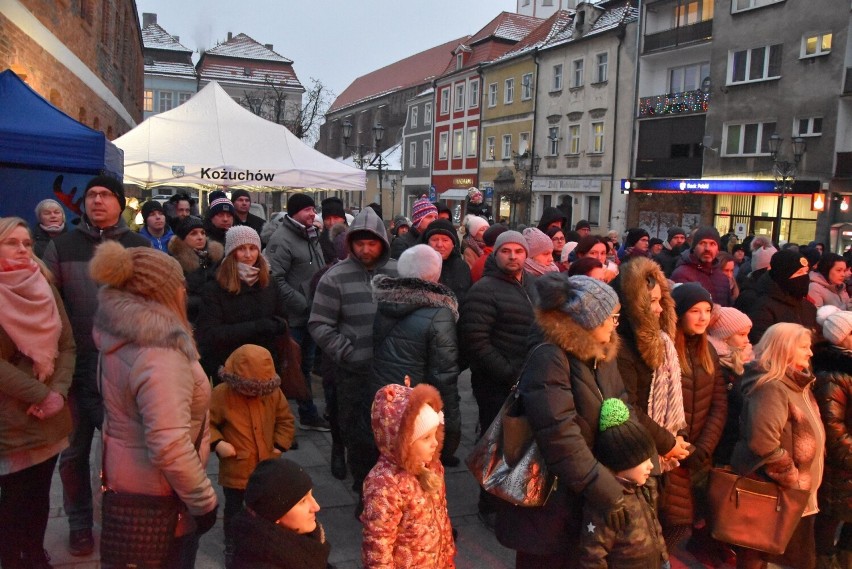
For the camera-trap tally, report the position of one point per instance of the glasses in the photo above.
(90, 195)
(615, 317)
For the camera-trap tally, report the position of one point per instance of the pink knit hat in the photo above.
(726, 321)
(538, 241)
(760, 258)
(421, 209)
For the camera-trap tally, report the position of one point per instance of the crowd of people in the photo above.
(641, 365)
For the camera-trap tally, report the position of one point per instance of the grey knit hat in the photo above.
(240, 235)
(585, 300)
(512, 237)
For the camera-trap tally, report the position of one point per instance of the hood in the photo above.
(395, 408)
(124, 317)
(370, 222)
(398, 296)
(639, 322)
(549, 215)
(558, 329)
(187, 257)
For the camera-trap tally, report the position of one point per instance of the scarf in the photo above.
(535, 268)
(730, 358)
(248, 273)
(474, 244)
(53, 229)
(665, 402)
(30, 316)
(204, 258)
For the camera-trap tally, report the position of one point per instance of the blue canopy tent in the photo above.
(42, 149)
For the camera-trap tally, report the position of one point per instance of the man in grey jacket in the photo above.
(295, 256)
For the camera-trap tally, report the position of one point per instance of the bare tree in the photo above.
(275, 103)
(315, 102)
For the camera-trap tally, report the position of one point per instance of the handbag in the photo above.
(290, 367)
(751, 513)
(507, 462)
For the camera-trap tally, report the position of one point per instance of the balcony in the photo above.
(686, 103)
(682, 35)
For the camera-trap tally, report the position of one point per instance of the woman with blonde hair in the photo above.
(780, 423)
(37, 355)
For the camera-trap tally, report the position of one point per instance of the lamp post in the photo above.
(527, 164)
(393, 197)
(785, 173)
(362, 149)
(378, 161)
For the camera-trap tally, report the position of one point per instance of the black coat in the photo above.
(668, 259)
(41, 239)
(773, 305)
(261, 544)
(403, 242)
(455, 275)
(197, 270)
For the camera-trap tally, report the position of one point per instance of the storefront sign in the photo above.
(583, 185)
(463, 182)
(700, 186)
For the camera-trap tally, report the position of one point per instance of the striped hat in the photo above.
(421, 209)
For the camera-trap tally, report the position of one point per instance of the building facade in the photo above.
(416, 151)
(170, 78)
(544, 8)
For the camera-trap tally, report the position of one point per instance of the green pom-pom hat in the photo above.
(613, 413)
(621, 443)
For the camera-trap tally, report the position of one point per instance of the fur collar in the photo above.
(188, 259)
(130, 318)
(416, 292)
(248, 387)
(639, 321)
(560, 330)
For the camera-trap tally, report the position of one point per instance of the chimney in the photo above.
(230, 36)
(176, 38)
(268, 46)
(148, 18)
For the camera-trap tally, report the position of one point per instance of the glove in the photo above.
(47, 407)
(617, 518)
(205, 522)
(225, 449)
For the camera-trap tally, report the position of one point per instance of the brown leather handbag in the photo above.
(290, 367)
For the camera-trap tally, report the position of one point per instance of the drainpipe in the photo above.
(622, 31)
(532, 134)
(639, 31)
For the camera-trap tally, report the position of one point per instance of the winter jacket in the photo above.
(494, 322)
(158, 243)
(639, 545)
(833, 392)
(252, 221)
(479, 264)
(256, 315)
(253, 415)
(41, 239)
(731, 431)
(705, 406)
(414, 334)
(404, 241)
(481, 209)
(455, 275)
(405, 525)
(562, 387)
(197, 270)
(711, 277)
(294, 255)
(156, 398)
(772, 305)
(668, 258)
(19, 389)
(213, 232)
(820, 292)
(261, 544)
(780, 421)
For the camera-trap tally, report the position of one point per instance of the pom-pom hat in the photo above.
(421, 209)
(836, 323)
(585, 300)
(621, 444)
(142, 271)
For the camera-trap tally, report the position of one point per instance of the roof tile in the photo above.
(155, 37)
(243, 46)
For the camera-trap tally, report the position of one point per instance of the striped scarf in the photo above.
(665, 402)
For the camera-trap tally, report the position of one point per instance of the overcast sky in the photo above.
(334, 41)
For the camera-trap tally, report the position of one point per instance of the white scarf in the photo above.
(248, 273)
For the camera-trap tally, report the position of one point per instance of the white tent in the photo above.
(212, 140)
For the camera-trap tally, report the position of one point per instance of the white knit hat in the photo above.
(240, 235)
(420, 262)
(427, 419)
(836, 323)
(475, 223)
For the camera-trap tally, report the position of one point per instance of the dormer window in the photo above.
(580, 19)
(459, 60)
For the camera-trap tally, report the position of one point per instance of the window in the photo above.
(148, 103)
(556, 85)
(459, 104)
(490, 147)
(524, 142)
(458, 143)
(427, 152)
(184, 97)
(414, 112)
(507, 146)
(577, 73)
(492, 95)
(509, 95)
(165, 101)
(553, 141)
(602, 60)
(748, 139)
(573, 139)
(694, 11)
(740, 5)
(472, 141)
(688, 77)
(445, 101)
(594, 210)
(427, 114)
(526, 87)
(597, 137)
(819, 44)
(811, 126)
(412, 154)
(443, 144)
(473, 95)
(459, 60)
(756, 64)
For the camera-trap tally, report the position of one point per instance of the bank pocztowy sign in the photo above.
(242, 176)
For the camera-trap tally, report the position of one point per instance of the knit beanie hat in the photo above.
(219, 203)
(634, 235)
(441, 227)
(655, 241)
(475, 223)
(687, 295)
(538, 242)
(784, 264)
(512, 237)
(142, 271)
(240, 235)
(473, 191)
(333, 206)
(298, 202)
(582, 224)
(726, 321)
(836, 323)
(760, 257)
(48, 203)
(621, 444)
(420, 262)
(421, 209)
(275, 486)
(250, 371)
(585, 300)
(442, 207)
(706, 232)
(674, 232)
(186, 226)
(492, 233)
(150, 207)
(110, 183)
(240, 193)
(427, 419)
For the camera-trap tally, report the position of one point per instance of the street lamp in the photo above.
(378, 133)
(527, 164)
(393, 196)
(361, 149)
(785, 173)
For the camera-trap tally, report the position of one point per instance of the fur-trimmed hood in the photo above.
(249, 386)
(401, 295)
(188, 258)
(639, 322)
(560, 330)
(124, 317)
